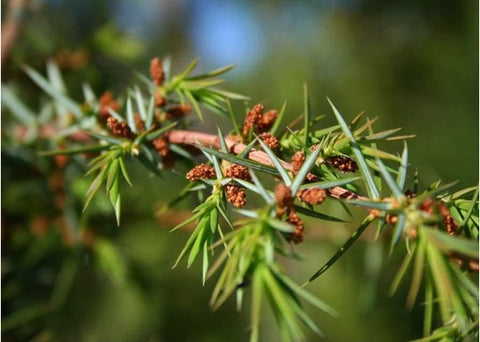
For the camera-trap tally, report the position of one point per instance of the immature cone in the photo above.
(270, 140)
(239, 171)
(118, 128)
(343, 163)
(156, 71)
(201, 171)
(236, 195)
(312, 195)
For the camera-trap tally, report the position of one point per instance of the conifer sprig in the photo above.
(342, 163)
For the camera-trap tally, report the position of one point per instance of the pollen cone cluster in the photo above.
(201, 171)
(284, 204)
(430, 206)
(312, 196)
(119, 128)
(235, 193)
(258, 121)
(343, 163)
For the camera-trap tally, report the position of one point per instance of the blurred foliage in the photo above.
(413, 63)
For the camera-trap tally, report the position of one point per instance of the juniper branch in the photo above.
(428, 220)
(194, 138)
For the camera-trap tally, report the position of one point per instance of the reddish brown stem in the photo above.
(210, 140)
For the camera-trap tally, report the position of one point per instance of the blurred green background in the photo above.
(412, 63)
